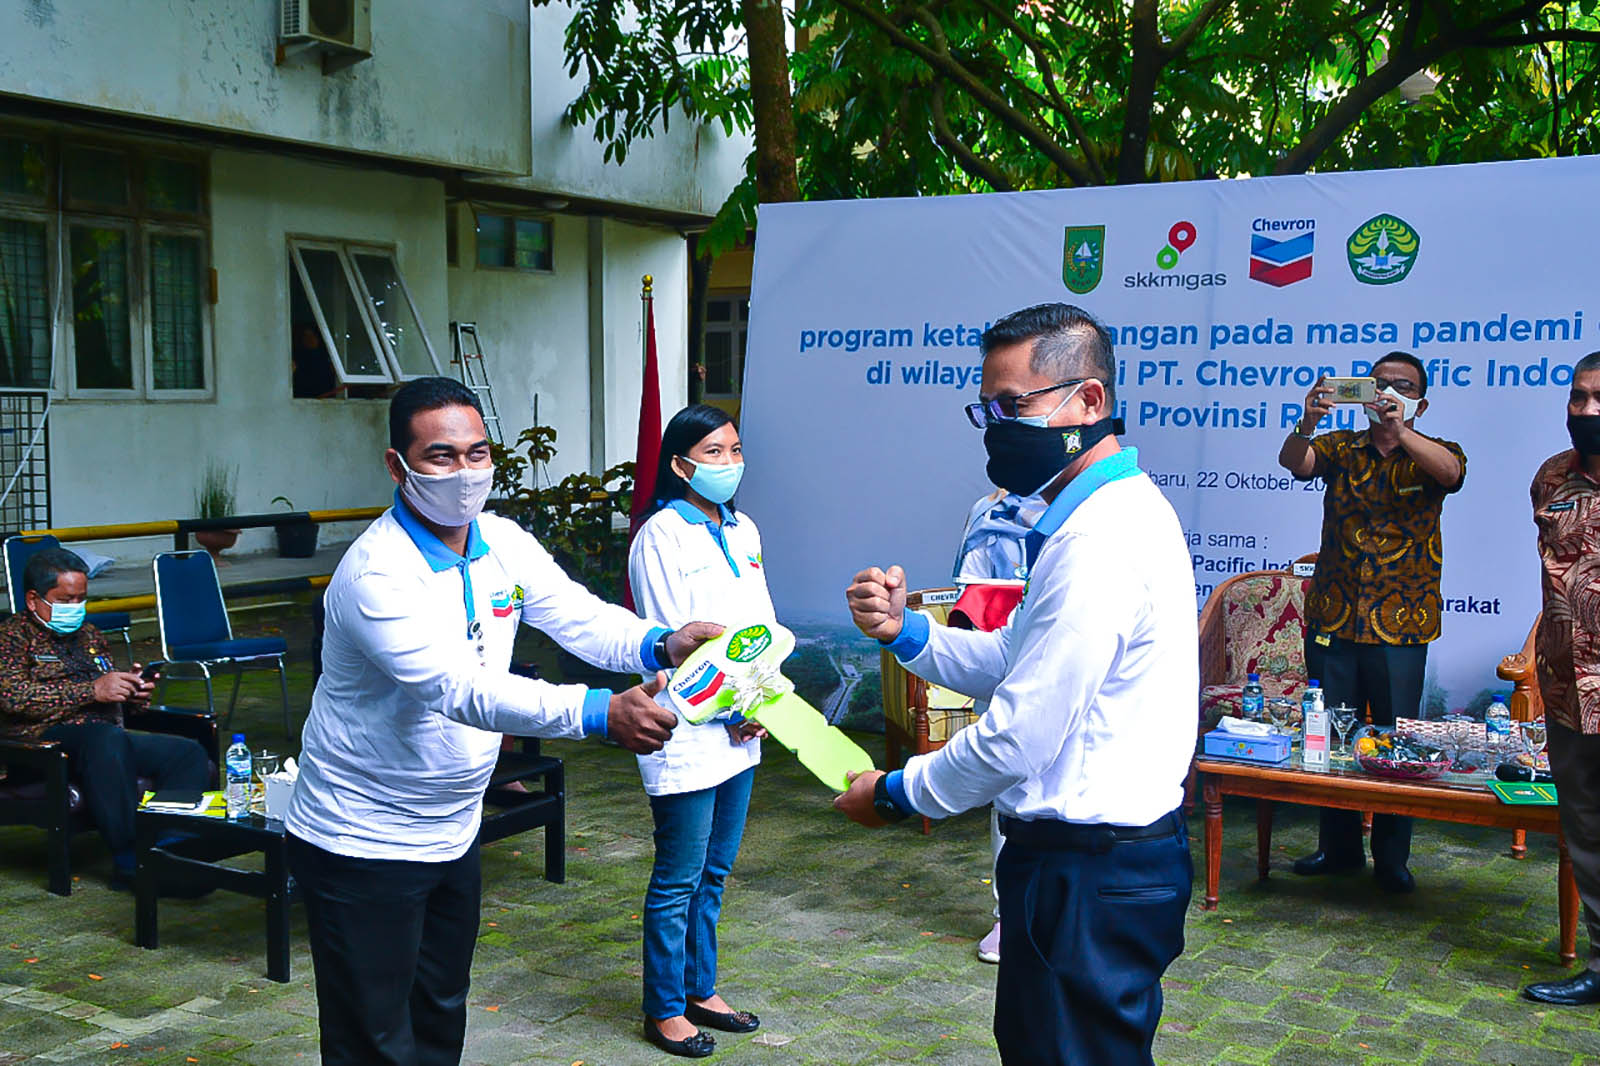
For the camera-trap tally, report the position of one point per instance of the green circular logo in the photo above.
(749, 643)
(1382, 250)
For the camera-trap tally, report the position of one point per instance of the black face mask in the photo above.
(1585, 433)
(1023, 458)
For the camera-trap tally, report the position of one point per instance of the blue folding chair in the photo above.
(196, 632)
(19, 549)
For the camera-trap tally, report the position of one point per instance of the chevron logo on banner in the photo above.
(1280, 262)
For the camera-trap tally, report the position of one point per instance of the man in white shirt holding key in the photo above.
(405, 729)
(1090, 727)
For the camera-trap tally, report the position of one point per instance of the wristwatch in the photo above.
(659, 650)
(884, 803)
(1298, 432)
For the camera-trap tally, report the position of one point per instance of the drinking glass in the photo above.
(263, 764)
(1344, 719)
(1534, 736)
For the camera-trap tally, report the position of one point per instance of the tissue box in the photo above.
(1268, 749)
(280, 789)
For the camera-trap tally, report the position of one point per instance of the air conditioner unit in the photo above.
(340, 29)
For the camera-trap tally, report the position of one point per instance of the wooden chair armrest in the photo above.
(1521, 669)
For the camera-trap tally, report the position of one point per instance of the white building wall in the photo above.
(447, 82)
(132, 461)
(535, 332)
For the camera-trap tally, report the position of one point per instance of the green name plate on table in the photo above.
(1524, 793)
(739, 671)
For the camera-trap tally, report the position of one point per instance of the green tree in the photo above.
(896, 97)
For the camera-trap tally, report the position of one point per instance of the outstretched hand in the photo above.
(636, 721)
(855, 803)
(682, 642)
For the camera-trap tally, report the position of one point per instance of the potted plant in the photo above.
(215, 499)
(297, 536)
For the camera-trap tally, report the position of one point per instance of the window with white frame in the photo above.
(727, 317)
(353, 321)
(110, 243)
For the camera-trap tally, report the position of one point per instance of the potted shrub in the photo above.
(215, 499)
(297, 536)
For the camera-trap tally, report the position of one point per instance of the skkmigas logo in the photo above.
(1181, 236)
(1083, 257)
(1383, 250)
(749, 643)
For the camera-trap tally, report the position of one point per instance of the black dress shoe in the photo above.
(1397, 881)
(736, 1021)
(1320, 862)
(1579, 991)
(697, 1046)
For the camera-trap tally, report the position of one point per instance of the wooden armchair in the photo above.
(37, 787)
(916, 715)
(1527, 703)
(1252, 623)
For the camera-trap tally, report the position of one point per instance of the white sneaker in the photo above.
(989, 946)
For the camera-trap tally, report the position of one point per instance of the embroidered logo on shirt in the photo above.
(501, 604)
(755, 561)
(518, 596)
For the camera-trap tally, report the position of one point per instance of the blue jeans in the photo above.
(697, 838)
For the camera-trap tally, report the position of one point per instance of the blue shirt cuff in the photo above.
(895, 785)
(596, 708)
(647, 650)
(913, 637)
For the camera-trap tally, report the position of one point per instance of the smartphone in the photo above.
(150, 671)
(1352, 390)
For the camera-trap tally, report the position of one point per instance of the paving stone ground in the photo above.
(854, 946)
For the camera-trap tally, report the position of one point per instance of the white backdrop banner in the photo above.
(1226, 300)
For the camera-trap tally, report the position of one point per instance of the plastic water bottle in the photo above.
(1253, 702)
(1497, 720)
(237, 762)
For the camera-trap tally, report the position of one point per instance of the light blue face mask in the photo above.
(715, 483)
(64, 617)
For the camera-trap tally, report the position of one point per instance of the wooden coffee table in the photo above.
(1350, 788)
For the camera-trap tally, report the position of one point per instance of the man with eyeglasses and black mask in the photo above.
(1566, 510)
(1090, 728)
(405, 729)
(1374, 604)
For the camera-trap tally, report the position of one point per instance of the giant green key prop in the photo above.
(739, 671)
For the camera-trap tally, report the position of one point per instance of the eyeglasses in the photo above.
(986, 413)
(1404, 386)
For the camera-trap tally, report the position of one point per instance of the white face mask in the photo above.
(1408, 407)
(452, 499)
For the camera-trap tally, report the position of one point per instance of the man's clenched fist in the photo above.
(877, 602)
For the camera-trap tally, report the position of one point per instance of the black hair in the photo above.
(45, 567)
(1586, 364)
(425, 394)
(687, 428)
(1068, 342)
(1413, 362)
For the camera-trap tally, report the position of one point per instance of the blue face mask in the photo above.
(64, 617)
(716, 483)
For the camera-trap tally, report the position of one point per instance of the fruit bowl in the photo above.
(1382, 754)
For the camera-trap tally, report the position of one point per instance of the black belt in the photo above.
(1052, 835)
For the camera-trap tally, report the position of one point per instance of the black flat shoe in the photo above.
(1579, 991)
(738, 1021)
(1320, 862)
(697, 1046)
(1397, 881)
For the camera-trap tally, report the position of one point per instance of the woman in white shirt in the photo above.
(697, 558)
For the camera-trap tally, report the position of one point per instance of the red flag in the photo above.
(648, 452)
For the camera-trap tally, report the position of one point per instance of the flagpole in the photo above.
(646, 299)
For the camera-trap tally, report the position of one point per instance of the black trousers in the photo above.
(1084, 939)
(1389, 679)
(1575, 764)
(107, 761)
(391, 943)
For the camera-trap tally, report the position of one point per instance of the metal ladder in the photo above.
(468, 359)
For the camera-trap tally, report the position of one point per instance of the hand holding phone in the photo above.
(1352, 390)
